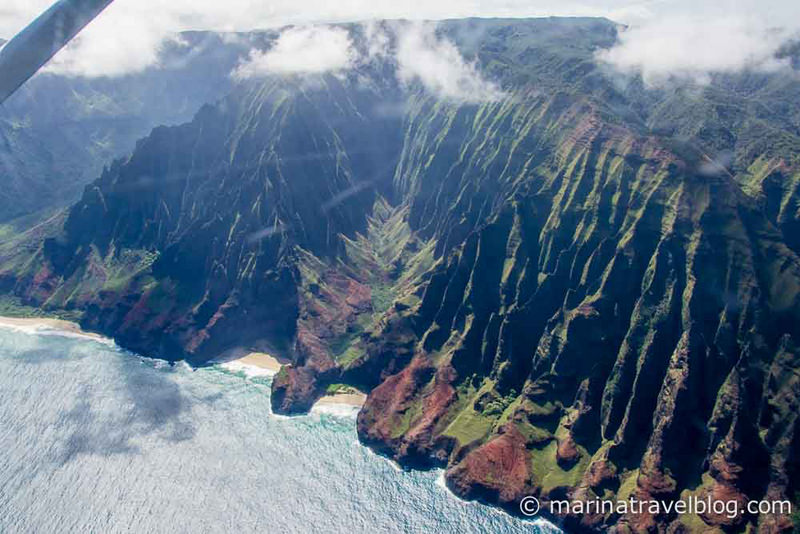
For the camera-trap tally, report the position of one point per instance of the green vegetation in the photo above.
(407, 418)
(469, 426)
(496, 405)
(478, 411)
(382, 297)
(628, 485)
(346, 341)
(340, 389)
(534, 434)
(353, 353)
(121, 271)
(11, 306)
(387, 258)
(548, 474)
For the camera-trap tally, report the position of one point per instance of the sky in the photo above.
(665, 38)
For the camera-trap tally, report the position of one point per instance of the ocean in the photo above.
(96, 439)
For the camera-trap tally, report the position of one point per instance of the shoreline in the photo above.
(338, 404)
(252, 364)
(263, 364)
(48, 323)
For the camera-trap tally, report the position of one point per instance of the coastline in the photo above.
(252, 364)
(45, 323)
(346, 404)
(263, 364)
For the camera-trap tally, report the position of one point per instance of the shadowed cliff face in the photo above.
(57, 132)
(561, 293)
(192, 241)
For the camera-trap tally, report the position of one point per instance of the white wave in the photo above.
(183, 364)
(250, 371)
(35, 329)
(394, 465)
(541, 524)
(337, 410)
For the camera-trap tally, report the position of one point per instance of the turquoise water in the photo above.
(95, 439)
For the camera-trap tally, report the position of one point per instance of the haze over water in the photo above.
(96, 439)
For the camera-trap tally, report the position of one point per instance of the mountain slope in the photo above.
(208, 275)
(58, 131)
(615, 311)
(561, 293)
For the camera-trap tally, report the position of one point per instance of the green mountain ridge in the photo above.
(585, 289)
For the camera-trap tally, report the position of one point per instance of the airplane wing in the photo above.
(26, 53)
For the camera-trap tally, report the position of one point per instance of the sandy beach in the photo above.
(254, 364)
(47, 324)
(263, 364)
(262, 360)
(348, 399)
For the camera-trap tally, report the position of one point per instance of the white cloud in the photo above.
(693, 47)
(128, 35)
(419, 55)
(378, 41)
(436, 63)
(116, 45)
(302, 50)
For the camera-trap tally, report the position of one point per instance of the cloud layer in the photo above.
(694, 47)
(129, 48)
(436, 63)
(302, 50)
(683, 38)
(418, 54)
